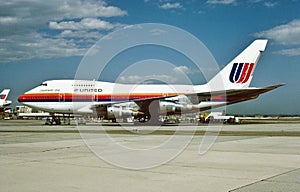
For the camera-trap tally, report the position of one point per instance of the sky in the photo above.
(43, 40)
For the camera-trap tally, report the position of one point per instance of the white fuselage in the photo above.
(79, 96)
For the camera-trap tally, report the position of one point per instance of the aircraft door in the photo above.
(61, 97)
(95, 98)
(164, 94)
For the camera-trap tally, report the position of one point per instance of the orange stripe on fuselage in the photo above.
(70, 96)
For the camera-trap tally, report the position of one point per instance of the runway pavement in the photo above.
(55, 158)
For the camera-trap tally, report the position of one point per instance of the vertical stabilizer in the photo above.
(3, 96)
(239, 72)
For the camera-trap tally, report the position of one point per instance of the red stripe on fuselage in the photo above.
(44, 97)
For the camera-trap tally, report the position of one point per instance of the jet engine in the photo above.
(114, 112)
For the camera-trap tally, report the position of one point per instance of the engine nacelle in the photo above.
(171, 108)
(167, 107)
(118, 112)
(114, 112)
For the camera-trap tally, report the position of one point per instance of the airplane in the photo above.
(231, 85)
(3, 101)
(3, 96)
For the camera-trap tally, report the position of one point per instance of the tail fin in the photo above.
(3, 96)
(239, 72)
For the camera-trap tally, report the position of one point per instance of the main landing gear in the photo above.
(57, 120)
(150, 115)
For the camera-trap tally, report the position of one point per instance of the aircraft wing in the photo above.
(236, 94)
(229, 96)
(232, 95)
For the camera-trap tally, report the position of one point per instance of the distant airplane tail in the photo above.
(239, 72)
(3, 96)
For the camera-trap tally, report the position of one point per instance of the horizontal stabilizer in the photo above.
(236, 95)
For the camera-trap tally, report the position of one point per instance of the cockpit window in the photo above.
(44, 84)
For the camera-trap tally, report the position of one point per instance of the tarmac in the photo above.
(35, 157)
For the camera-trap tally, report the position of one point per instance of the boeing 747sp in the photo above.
(229, 86)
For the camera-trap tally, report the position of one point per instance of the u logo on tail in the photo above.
(240, 72)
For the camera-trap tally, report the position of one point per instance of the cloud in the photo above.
(157, 31)
(84, 24)
(286, 34)
(255, 1)
(265, 3)
(8, 20)
(171, 6)
(181, 69)
(32, 15)
(147, 79)
(27, 26)
(80, 34)
(89, 8)
(270, 4)
(175, 75)
(34, 45)
(224, 2)
(289, 52)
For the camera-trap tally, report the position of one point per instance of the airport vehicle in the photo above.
(218, 117)
(229, 86)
